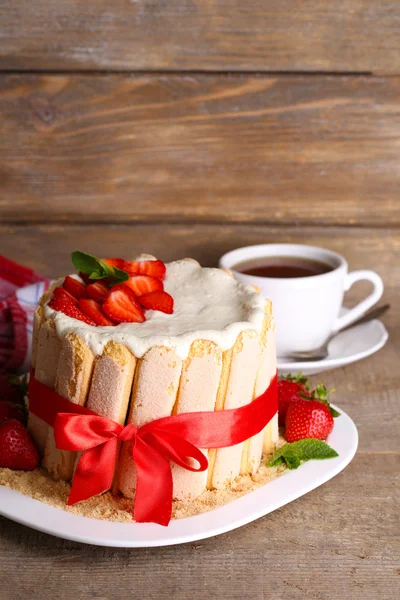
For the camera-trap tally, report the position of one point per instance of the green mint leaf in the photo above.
(97, 275)
(120, 275)
(106, 269)
(86, 263)
(97, 269)
(296, 452)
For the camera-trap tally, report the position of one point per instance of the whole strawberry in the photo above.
(308, 419)
(9, 410)
(17, 450)
(290, 390)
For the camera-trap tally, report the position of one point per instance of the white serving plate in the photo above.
(254, 505)
(347, 347)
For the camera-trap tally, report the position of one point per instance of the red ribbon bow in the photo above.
(154, 445)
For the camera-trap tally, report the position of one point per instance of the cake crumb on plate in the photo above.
(39, 485)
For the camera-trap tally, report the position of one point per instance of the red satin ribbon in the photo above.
(176, 438)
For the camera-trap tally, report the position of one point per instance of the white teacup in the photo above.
(306, 309)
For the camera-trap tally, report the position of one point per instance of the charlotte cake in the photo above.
(214, 351)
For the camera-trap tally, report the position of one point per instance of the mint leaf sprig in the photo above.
(292, 455)
(95, 268)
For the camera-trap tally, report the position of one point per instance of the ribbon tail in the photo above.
(153, 499)
(94, 472)
(177, 449)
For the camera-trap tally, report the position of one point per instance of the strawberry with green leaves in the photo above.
(320, 393)
(310, 415)
(289, 390)
(308, 419)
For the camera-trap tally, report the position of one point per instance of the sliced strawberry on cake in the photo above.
(122, 306)
(144, 284)
(97, 291)
(94, 311)
(119, 263)
(76, 288)
(63, 302)
(154, 268)
(158, 300)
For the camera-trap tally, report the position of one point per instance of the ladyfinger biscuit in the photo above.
(154, 393)
(252, 448)
(38, 319)
(266, 372)
(111, 384)
(74, 373)
(271, 431)
(198, 389)
(239, 392)
(47, 353)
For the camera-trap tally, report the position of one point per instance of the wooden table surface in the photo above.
(339, 541)
(188, 128)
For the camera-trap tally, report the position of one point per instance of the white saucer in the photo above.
(348, 347)
(254, 505)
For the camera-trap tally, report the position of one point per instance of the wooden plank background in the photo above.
(227, 148)
(188, 128)
(290, 35)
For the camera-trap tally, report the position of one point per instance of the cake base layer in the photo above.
(39, 485)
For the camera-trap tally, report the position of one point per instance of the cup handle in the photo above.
(364, 305)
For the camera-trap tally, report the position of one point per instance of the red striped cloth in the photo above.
(20, 290)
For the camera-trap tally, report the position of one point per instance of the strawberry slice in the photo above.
(17, 450)
(154, 268)
(97, 291)
(74, 287)
(158, 300)
(92, 310)
(122, 306)
(115, 262)
(57, 292)
(85, 277)
(63, 302)
(143, 284)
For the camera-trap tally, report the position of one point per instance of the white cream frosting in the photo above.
(208, 304)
